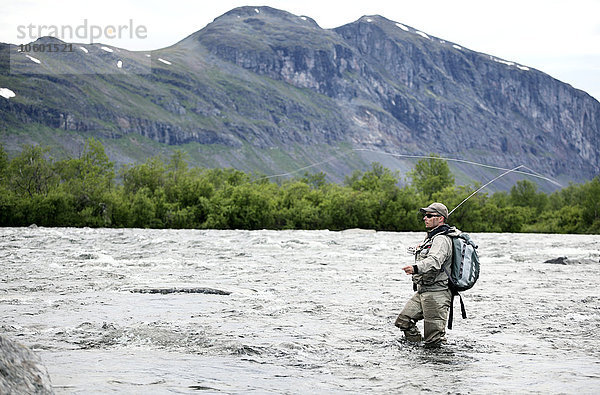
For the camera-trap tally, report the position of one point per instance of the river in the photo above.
(300, 312)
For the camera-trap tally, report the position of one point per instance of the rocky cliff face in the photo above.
(423, 91)
(265, 78)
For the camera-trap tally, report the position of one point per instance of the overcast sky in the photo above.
(558, 37)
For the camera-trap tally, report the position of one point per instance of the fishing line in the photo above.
(331, 159)
(530, 172)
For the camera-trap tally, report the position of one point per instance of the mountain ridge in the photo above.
(260, 81)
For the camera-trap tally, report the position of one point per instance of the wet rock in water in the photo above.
(202, 388)
(563, 260)
(165, 291)
(21, 370)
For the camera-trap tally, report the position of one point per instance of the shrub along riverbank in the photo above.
(83, 191)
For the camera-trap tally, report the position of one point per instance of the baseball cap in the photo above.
(436, 208)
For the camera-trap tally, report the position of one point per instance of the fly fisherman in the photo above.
(433, 258)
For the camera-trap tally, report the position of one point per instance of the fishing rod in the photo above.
(488, 183)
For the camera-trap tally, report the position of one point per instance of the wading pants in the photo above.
(432, 308)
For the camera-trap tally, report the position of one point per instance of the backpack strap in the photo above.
(451, 314)
(462, 308)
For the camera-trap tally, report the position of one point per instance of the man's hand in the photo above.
(413, 250)
(408, 269)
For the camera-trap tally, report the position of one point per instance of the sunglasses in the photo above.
(432, 215)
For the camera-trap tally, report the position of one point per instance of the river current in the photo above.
(300, 312)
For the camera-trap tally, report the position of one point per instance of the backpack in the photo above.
(464, 270)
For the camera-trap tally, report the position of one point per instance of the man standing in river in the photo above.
(431, 301)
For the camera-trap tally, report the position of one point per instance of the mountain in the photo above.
(264, 90)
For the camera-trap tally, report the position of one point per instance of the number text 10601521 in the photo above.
(46, 47)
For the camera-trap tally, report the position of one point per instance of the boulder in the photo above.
(21, 370)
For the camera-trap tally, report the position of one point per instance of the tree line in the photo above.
(88, 191)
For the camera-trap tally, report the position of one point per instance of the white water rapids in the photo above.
(308, 312)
